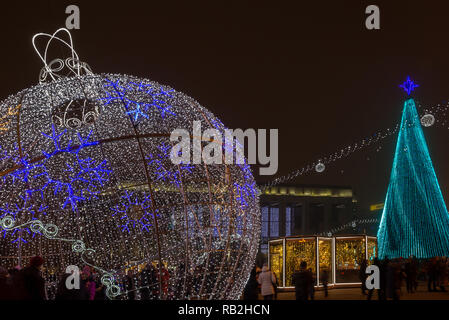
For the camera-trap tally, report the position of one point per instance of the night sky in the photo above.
(311, 70)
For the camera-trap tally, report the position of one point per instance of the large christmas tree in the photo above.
(415, 220)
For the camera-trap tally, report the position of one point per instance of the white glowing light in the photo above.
(320, 167)
(427, 120)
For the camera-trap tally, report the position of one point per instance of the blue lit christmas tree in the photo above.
(415, 220)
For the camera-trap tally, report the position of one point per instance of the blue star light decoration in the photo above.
(82, 179)
(157, 98)
(165, 170)
(409, 86)
(134, 211)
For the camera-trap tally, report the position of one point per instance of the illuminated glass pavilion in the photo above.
(415, 220)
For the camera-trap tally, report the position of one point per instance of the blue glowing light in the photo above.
(137, 113)
(409, 86)
(82, 179)
(165, 170)
(157, 98)
(415, 220)
(134, 211)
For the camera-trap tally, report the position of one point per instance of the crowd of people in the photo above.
(29, 284)
(397, 272)
(265, 283)
(393, 274)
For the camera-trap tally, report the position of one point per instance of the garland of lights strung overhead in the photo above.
(429, 118)
(87, 179)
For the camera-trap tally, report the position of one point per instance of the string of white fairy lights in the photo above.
(319, 165)
(352, 224)
(430, 116)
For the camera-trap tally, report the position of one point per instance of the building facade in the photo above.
(303, 210)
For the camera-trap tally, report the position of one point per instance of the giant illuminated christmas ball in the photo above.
(87, 179)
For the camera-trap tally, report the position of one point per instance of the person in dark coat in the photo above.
(383, 270)
(398, 275)
(390, 279)
(411, 274)
(325, 281)
(302, 280)
(251, 291)
(33, 282)
(432, 275)
(312, 286)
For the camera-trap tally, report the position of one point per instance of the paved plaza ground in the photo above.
(356, 294)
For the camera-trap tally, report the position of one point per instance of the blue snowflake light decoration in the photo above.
(151, 97)
(82, 179)
(135, 212)
(165, 170)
